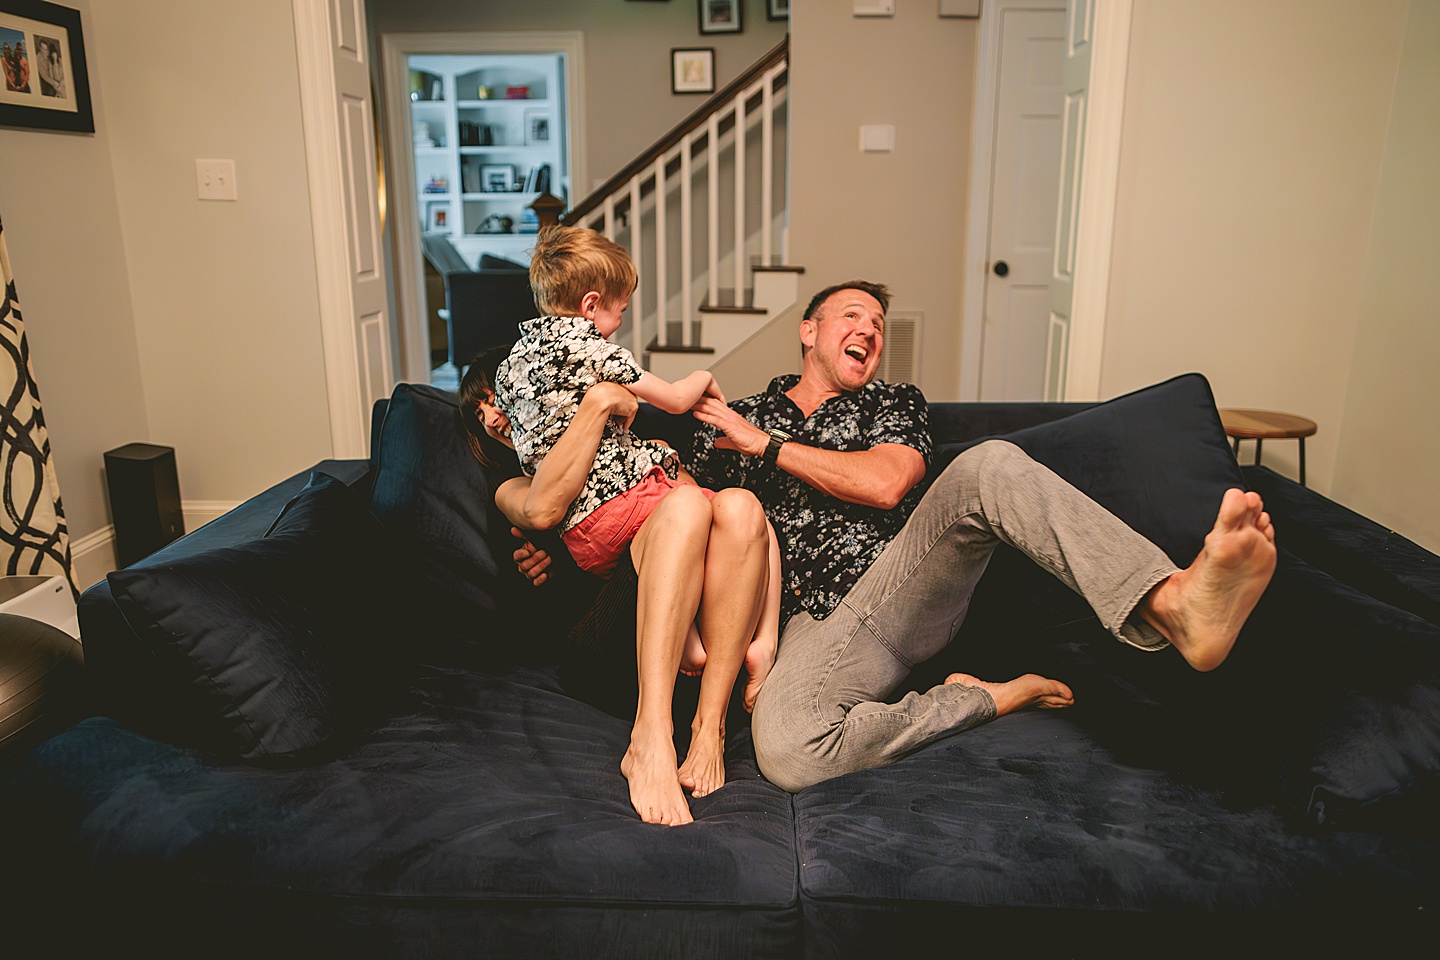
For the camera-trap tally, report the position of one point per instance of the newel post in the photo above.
(548, 208)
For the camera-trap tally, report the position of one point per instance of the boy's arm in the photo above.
(540, 502)
(679, 396)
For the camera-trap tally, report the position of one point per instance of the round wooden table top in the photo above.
(1265, 424)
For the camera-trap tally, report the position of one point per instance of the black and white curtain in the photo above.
(33, 536)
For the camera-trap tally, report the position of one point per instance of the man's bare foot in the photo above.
(759, 658)
(1029, 690)
(1201, 609)
(703, 771)
(655, 791)
(692, 656)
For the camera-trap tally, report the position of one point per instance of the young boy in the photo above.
(582, 284)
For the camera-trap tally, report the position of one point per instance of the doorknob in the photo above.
(1001, 268)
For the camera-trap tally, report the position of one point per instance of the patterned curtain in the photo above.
(33, 536)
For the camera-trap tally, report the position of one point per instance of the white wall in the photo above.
(897, 218)
(1388, 445)
(62, 226)
(1253, 138)
(225, 294)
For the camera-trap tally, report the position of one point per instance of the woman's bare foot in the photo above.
(1029, 690)
(692, 656)
(655, 791)
(1201, 609)
(759, 658)
(703, 771)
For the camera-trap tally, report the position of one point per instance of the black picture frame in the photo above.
(721, 16)
(777, 9)
(31, 100)
(692, 69)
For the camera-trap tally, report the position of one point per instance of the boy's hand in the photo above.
(530, 560)
(713, 388)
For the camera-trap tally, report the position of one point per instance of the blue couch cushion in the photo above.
(272, 646)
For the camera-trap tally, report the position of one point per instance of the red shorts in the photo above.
(597, 541)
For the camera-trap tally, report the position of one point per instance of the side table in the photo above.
(1262, 425)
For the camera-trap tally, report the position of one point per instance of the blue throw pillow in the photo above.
(274, 646)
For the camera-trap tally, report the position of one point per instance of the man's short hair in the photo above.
(569, 262)
(877, 290)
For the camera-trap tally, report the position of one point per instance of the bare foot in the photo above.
(759, 658)
(703, 771)
(1201, 609)
(693, 657)
(1029, 690)
(655, 791)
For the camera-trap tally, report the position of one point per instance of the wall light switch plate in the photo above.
(215, 179)
(877, 138)
(874, 8)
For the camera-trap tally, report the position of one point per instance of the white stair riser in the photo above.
(774, 290)
(723, 332)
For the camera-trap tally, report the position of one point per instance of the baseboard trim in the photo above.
(95, 554)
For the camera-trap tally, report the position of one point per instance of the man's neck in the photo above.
(808, 394)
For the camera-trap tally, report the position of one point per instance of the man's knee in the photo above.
(782, 751)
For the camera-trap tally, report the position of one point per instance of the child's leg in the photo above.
(734, 591)
(669, 549)
(760, 655)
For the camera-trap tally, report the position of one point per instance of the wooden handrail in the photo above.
(691, 123)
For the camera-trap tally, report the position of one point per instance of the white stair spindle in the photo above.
(712, 172)
(637, 302)
(739, 146)
(662, 324)
(767, 166)
(687, 335)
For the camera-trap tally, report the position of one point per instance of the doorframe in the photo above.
(1098, 183)
(404, 205)
(320, 117)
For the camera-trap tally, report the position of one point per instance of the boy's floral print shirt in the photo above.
(825, 543)
(540, 386)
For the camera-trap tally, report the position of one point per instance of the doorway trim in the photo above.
(1099, 175)
(404, 216)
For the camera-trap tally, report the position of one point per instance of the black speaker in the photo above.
(144, 499)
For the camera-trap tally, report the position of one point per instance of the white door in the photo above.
(345, 214)
(1030, 97)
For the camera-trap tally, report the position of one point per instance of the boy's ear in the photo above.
(589, 304)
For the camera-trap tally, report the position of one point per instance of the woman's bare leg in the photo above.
(668, 552)
(734, 591)
(760, 655)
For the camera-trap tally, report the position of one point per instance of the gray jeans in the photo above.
(823, 709)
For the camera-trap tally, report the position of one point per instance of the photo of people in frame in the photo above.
(50, 67)
(16, 60)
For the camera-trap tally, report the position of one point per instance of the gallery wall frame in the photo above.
(777, 9)
(46, 83)
(721, 16)
(692, 70)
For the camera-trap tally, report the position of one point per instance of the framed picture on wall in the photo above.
(722, 16)
(46, 83)
(777, 9)
(437, 216)
(692, 70)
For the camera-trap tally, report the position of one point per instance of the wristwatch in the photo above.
(772, 449)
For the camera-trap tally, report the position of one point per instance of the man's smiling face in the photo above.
(844, 338)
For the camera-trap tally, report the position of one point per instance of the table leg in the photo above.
(1302, 461)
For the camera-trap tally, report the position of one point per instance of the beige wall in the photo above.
(1253, 137)
(628, 103)
(899, 217)
(1388, 445)
(225, 294)
(62, 226)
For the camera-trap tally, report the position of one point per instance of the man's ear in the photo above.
(589, 304)
(808, 331)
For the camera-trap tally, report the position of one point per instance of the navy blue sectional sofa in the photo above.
(336, 722)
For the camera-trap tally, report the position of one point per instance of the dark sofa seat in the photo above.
(458, 798)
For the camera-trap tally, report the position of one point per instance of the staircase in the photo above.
(703, 215)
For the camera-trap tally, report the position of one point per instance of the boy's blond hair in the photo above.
(569, 262)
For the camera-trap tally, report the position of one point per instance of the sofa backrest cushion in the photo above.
(270, 648)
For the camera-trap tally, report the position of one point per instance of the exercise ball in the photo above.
(41, 681)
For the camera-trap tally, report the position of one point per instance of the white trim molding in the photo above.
(1099, 183)
(96, 554)
(349, 430)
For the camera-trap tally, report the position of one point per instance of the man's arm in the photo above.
(540, 502)
(877, 477)
(679, 396)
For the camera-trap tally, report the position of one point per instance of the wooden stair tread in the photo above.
(654, 346)
(706, 308)
(777, 269)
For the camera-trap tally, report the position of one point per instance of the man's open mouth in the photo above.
(857, 352)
